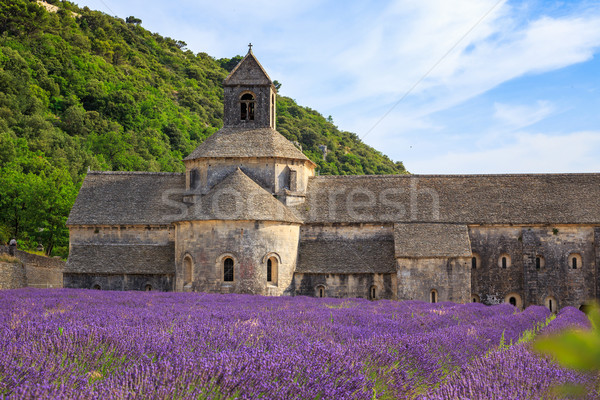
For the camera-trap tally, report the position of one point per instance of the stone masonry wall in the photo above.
(555, 279)
(597, 260)
(449, 277)
(41, 272)
(40, 277)
(263, 96)
(162, 283)
(272, 174)
(346, 285)
(12, 275)
(489, 281)
(248, 243)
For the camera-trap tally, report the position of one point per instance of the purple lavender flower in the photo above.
(83, 344)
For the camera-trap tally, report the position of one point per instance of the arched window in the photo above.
(148, 288)
(228, 269)
(272, 270)
(575, 261)
(373, 293)
(514, 299)
(475, 261)
(551, 304)
(188, 270)
(475, 298)
(95, 286)
(434, 296)
(504, 261)
(538, 263)
(320, 291)
(247, 107)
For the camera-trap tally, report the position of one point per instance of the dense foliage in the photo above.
(80, 89)
(73, 343)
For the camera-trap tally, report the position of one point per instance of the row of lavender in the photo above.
(91, 344)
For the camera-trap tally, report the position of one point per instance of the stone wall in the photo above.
(597, 261)
(12, 275)
(264, 106)
(41, 277)
(450, 278)
(163, 283)
(555, 246)
(346, 285)
(250, 244)
(273, 174)
(41, 272)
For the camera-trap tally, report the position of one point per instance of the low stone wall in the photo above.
(346, 285)
(39, 271)
(162, 283)
(12, 275)
(40, 277)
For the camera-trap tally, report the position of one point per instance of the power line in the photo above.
(109, 9)
(432, 68)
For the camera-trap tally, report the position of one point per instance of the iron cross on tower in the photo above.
(249, 46)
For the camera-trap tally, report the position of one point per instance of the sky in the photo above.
(447, 87)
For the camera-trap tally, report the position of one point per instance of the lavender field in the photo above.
(83, 344)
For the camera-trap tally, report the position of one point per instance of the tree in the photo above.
(133, 20)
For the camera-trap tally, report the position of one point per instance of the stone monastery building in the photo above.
(250, 216)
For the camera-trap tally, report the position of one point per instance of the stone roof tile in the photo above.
(241, 142)
(128, 198)
(369, 255)
(121, 258)
(239, 198)
(431, 240)
(457, 199)
(248, 72)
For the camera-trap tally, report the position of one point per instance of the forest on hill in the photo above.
(82, 90)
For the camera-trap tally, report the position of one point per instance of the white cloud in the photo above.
(520, 116)
(353, 60)
(529, 152)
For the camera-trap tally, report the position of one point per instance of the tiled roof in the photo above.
(457, 199)
(238, 198)
(242, 142)
(248, 72)
(431, 240)
(369, 255)
(121, 258)
(127, 198)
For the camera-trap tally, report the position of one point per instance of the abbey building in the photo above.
(249, 215)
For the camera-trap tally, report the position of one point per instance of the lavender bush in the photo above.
(82, 344)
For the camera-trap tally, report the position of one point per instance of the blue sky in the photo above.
(462, 86)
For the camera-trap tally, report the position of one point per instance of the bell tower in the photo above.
(249, 141)
(249, 96)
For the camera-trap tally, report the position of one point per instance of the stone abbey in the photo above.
(250, 215)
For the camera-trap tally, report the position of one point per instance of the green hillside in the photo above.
(80, 89)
